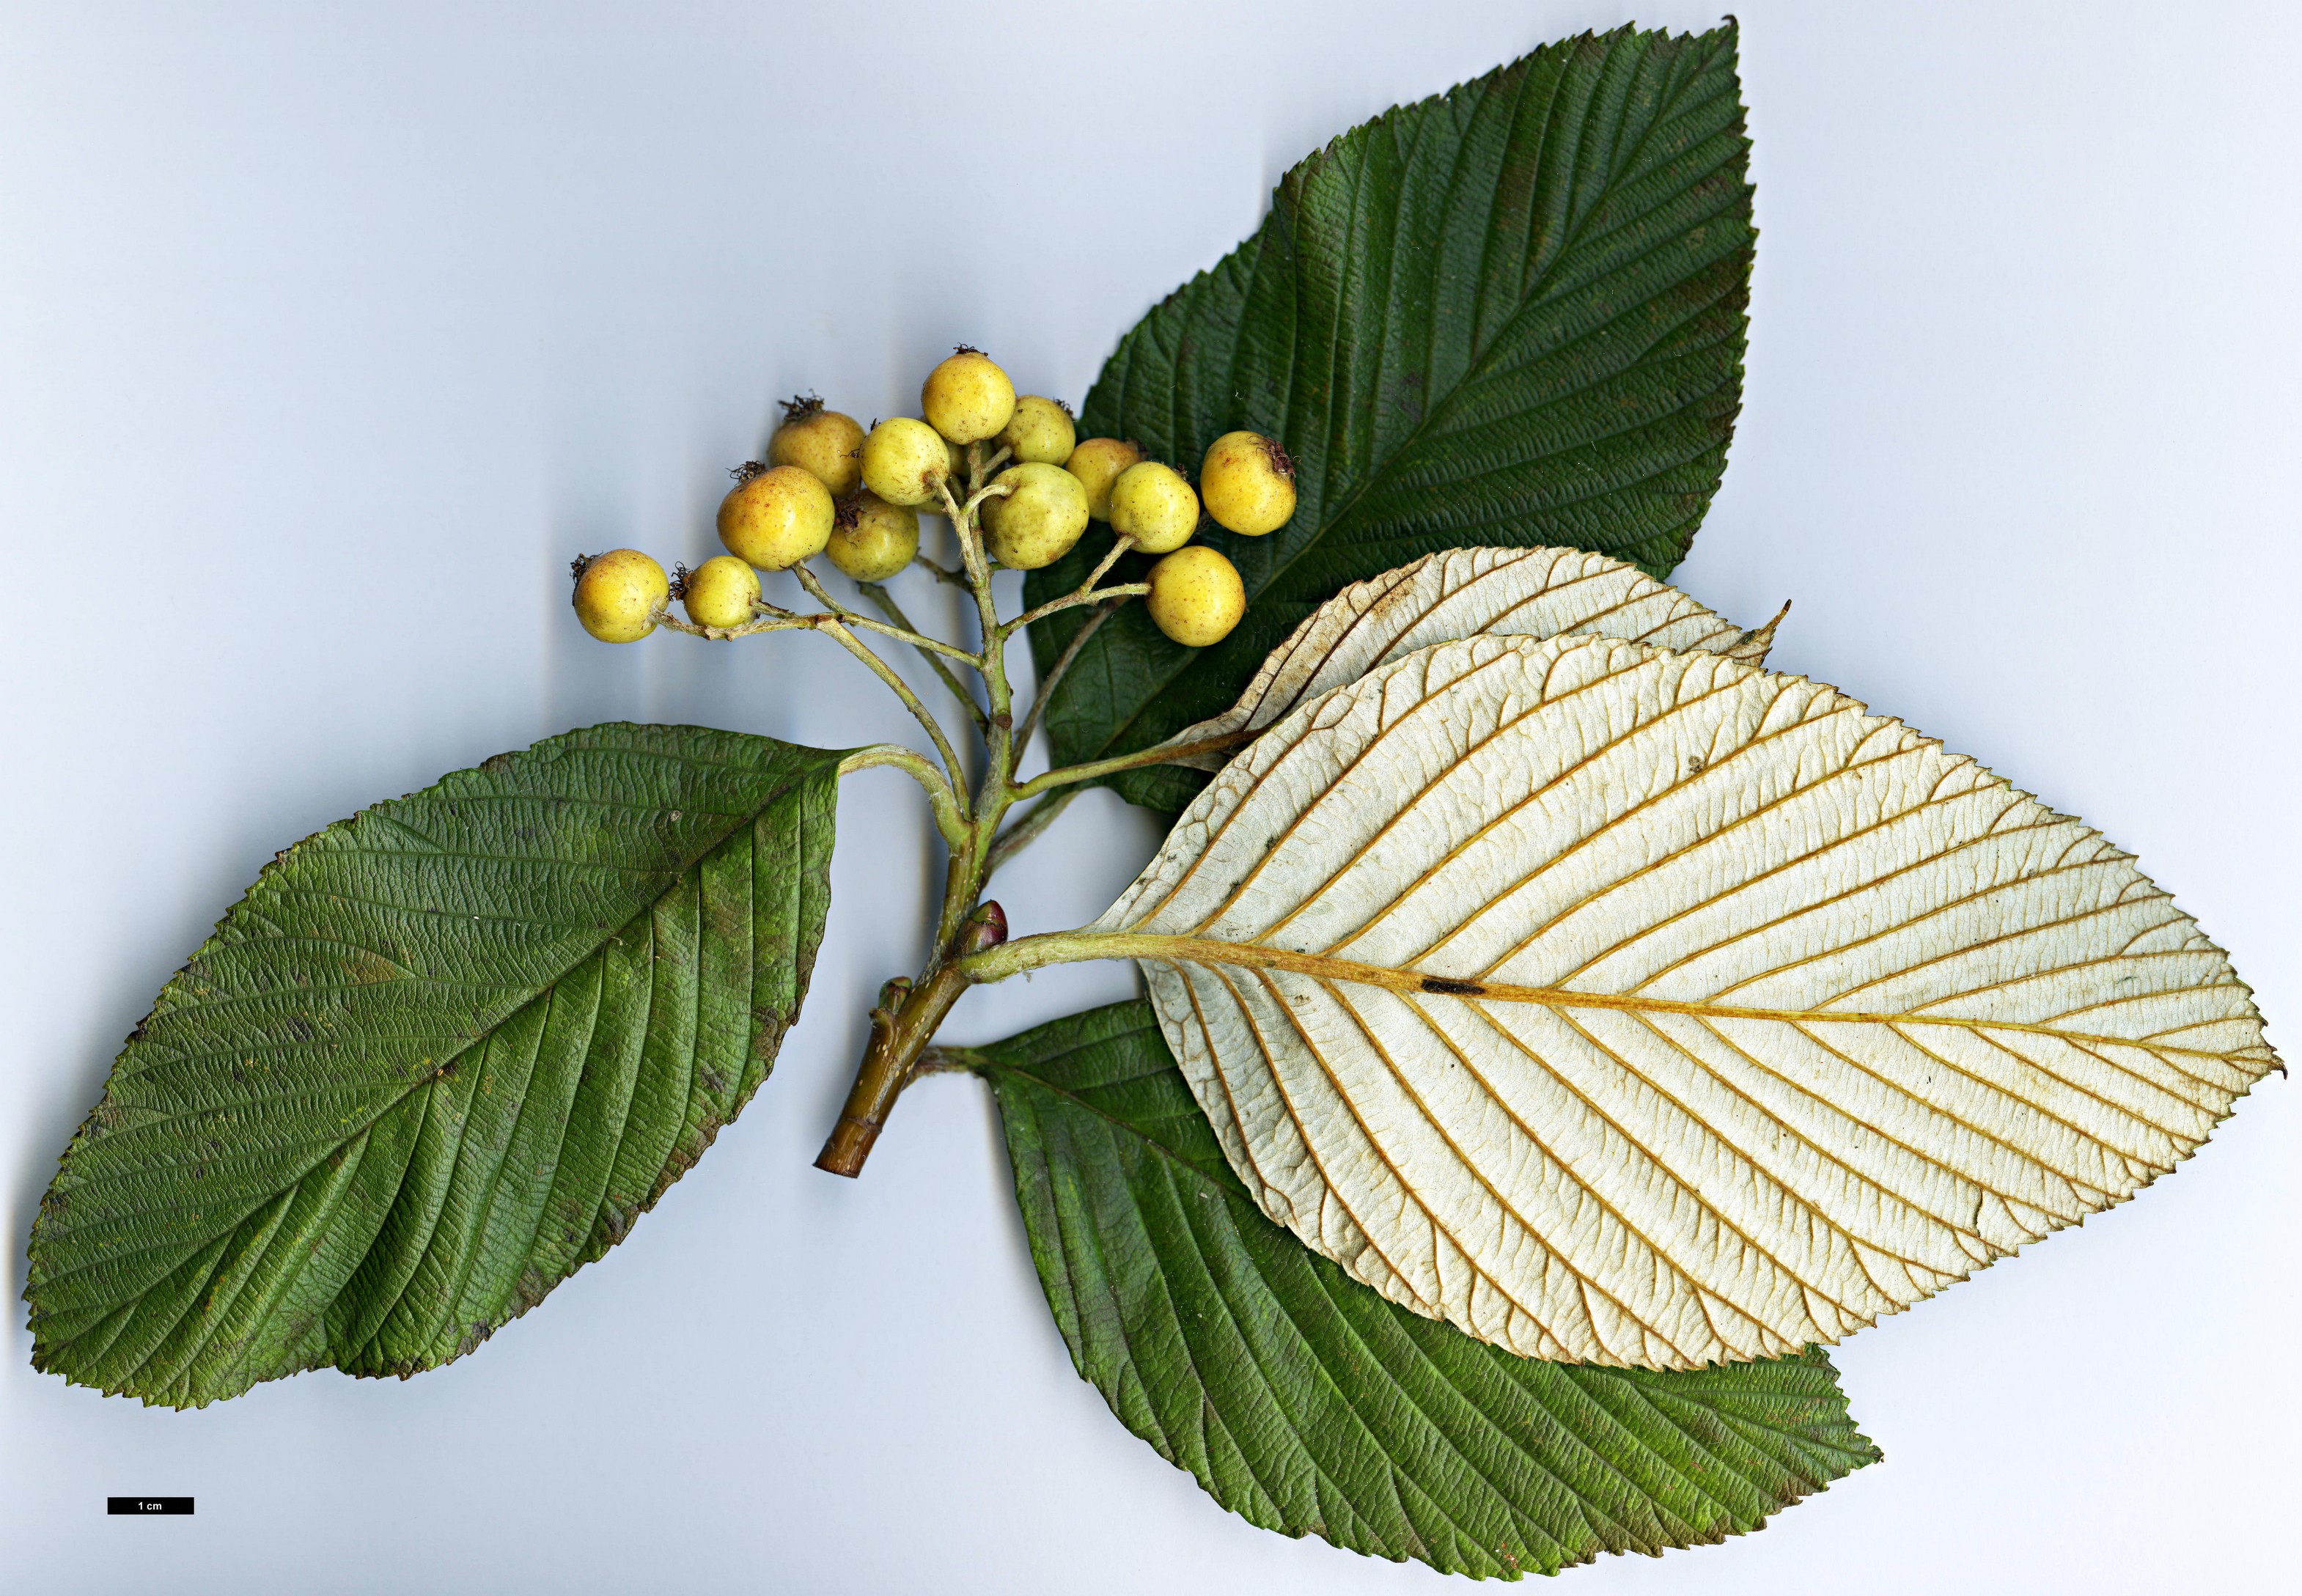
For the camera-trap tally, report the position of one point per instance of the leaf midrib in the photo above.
(1240, 1199)
(1474, 368)
(1212, 952)
(482, 1032)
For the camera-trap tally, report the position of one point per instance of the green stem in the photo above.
(833, 627)
(774, 618)
(1027, 954)
(909, 1012)
(1085, 592)
(950, 822)
(771, 620)
(1047, 693)
(1165, 754)
(941, 573)
(1024, 831)
(1095, 595)
(917, 640)
(894, 611)
(901, 1031)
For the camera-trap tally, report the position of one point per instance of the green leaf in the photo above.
(1307, 1404)
(1511, 315)
(441, 1056)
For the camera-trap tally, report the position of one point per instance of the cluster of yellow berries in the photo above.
(828, 486)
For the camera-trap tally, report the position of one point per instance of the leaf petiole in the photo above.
(835, 629)
(950, 822)
(1165, 754)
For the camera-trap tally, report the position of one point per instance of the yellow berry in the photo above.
(1154, 506)
(1036, 524)
(617, 594)
(903, 459)
(776, 518)
(820, 441)
(720, 592)
(1196, 596)
(1039, 432)
(870, 539)
(1249, 484)
(968, 397)
(955, 477)
(1097, 463)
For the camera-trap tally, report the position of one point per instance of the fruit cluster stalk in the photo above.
(970, 817)
(828, 487)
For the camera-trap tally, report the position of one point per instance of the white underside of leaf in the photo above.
(1467, 593)
(1788, 1017)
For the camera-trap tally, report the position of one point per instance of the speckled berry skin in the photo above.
(1196, 596)
(777, 518)
(905, 460)
(1097, 462)
(618, 593)
(1039, 433)
(1248, 484)
(824, 443)
(968, 397)
(872, 539)
(720, 592)
(1154, 506)
(1036, 523)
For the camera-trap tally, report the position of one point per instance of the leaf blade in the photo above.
(1307, 1405)
(441, 1055)
(1644, 1007)
(1512, 315)
(1468, 592)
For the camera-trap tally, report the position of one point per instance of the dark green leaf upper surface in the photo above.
(1307, 1404)
(442, 1054)
(1511, 315)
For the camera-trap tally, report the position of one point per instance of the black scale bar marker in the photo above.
(149, 1507)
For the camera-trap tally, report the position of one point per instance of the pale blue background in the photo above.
(328, 333)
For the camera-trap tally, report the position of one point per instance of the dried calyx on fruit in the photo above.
(872, 539)
(968, 397)
(775, 515)
(620, 595)
(819, 441)
(1248, 484)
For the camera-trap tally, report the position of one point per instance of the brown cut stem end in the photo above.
(898, 1036)
(849, 1145)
